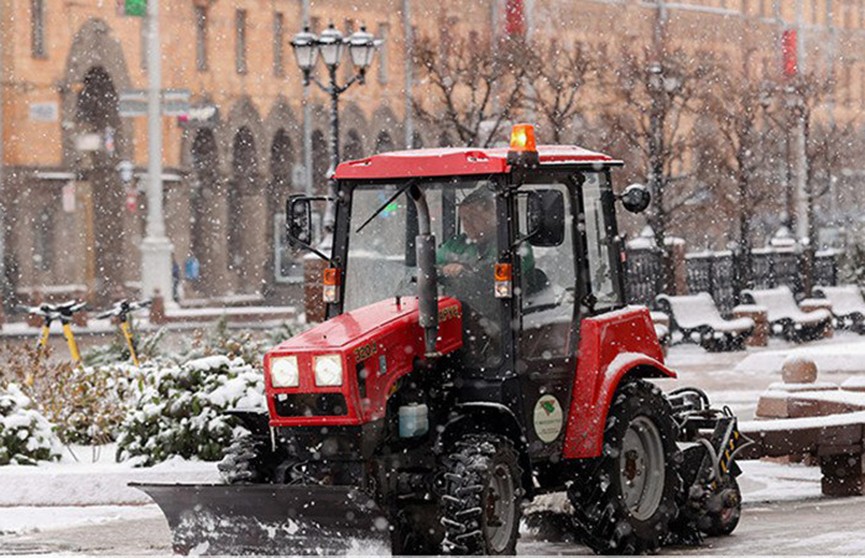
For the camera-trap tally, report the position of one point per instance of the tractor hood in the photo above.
(374, 346)
(360, 325)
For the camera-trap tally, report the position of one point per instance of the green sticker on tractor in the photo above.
(548, 418)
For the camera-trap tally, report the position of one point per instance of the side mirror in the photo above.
(545, 218)
(298, 220)
(635, 198)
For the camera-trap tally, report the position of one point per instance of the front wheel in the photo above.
(482, 496)
(249, 460)
(625, 500)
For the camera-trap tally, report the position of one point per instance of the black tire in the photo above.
(725, 508)
(608, 523)
(248, 460)
(481, 503)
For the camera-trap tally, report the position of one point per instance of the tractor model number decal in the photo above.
(449, 313)
(365, 351)
(548, 418)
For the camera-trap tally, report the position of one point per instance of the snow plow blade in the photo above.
(268, 519)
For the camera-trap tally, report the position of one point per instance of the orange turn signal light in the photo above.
(330, 285)
(331, 276)
(504, 285)
(503, 272)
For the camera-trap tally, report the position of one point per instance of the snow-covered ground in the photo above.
(90, 490)
(85, 505)
(69, 494)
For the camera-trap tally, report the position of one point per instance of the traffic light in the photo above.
(137, 8)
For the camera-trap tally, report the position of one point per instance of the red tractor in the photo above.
(477, 352)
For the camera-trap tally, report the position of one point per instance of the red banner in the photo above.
(789, 53)
(515, 19)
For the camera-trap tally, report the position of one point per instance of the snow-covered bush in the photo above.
(29, 366)
(181, 409)
(25, 434)
(88, 404)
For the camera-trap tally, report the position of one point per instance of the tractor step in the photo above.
(268, 519)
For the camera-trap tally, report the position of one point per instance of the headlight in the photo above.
(284, 371)
(328, 370)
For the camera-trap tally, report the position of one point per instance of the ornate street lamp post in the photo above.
(330, 45)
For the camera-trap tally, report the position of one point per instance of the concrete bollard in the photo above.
(799, 370)
(760, 336)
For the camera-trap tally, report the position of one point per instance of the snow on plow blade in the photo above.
(269, 519)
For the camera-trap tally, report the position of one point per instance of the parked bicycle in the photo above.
(122, 312)
(64, 313)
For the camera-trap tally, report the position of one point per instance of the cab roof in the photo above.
(456, 161)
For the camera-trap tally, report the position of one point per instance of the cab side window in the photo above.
(599, 241)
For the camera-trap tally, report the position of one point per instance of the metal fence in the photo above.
(715, 273)
(642, 270)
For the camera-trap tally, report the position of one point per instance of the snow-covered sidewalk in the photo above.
(74, 493)
(92, 484)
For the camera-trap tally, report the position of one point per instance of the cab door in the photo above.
(547, 316)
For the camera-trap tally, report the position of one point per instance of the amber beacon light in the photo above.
(523, 150)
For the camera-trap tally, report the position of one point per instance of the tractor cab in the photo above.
(524, 237)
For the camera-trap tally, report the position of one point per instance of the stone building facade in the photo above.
(73, 222)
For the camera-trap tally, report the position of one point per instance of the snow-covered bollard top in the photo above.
(799, 369)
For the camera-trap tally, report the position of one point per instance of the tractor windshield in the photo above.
(381, 256)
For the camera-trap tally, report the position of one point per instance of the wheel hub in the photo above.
(642, 468)
(499, 508)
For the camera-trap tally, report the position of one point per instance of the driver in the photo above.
(475, 248)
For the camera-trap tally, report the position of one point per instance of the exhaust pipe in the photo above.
(427, 287)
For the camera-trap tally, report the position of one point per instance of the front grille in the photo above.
(310, 404)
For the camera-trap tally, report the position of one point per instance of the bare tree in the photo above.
(804, 96)
(469, 87)
(651, 99)
(831, 148)
(745, 146)
(558, 80)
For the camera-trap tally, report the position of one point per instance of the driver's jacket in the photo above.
(478, 257)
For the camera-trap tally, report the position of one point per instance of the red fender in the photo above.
(612, 346)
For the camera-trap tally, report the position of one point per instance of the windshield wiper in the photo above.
(409, 183)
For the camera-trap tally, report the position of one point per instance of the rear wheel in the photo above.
(626, 499)
(483, 492)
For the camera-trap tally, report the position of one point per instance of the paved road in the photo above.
(820, 526)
